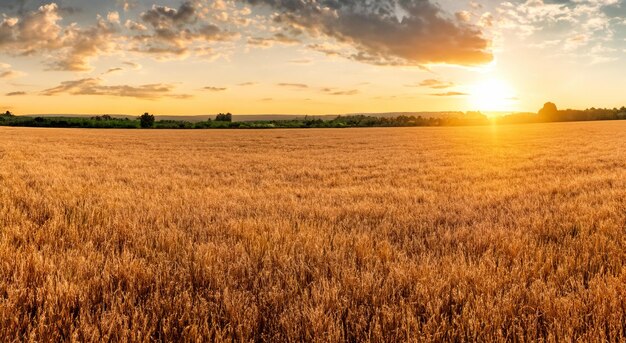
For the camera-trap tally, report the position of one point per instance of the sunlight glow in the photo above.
(493, 95)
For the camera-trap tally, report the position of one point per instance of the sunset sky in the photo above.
(309, 56)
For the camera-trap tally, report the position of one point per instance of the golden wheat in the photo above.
(509, 233)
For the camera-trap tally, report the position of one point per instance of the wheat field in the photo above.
(501, 233)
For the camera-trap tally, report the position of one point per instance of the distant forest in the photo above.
(549, 113)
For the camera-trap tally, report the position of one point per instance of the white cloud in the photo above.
(565, 27)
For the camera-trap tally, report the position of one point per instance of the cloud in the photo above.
(172, 31)
(112, 70)
(165, 17)
(135, 26)
(434, 84)
(293, 85)
(23, 6)
(278, 38)
(248, 84)
(304, 61)
(215, 89)
(127, 5)
(449, 94)
(33, 31)
(565, 27)
(84, 44)
(383, 32)
(10, 74)
(16, 93)
(132, 65)
(94, 86)
(332, 91)
(113, 17)
(329, 50)
(39, 32)
(463, 16)
(388, 32)
(7, 73)
(160, 31)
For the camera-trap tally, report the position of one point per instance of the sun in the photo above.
(493, 95)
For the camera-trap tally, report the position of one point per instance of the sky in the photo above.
(309, 56)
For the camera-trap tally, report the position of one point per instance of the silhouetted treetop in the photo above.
(224, 117)
(147, 120)
(549, 110)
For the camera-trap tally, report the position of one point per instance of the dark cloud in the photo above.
(392, 32)
(215, 89)
(16, 93)
(293, 85)
(163, 17)
(94, 86)
(171, 31)
(278, 38)
(112, 70)
(382, 32)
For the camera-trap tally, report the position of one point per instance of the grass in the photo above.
(511, 233)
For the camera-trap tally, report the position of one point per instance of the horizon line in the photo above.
(272, 114)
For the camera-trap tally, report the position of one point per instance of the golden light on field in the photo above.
(384, 235)
(493, 95)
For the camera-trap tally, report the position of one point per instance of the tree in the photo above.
(8, 114)
(147, 120)
(549, 111)
(224, 117)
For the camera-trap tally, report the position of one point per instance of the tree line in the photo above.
(549, 113)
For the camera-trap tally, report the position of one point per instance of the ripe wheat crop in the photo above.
(503, 233)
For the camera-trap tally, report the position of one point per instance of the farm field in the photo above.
(495, 233)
